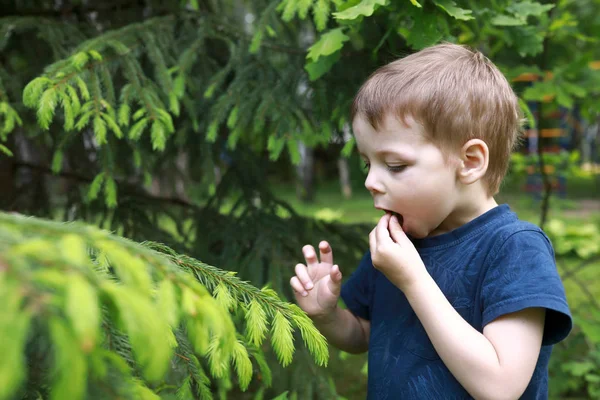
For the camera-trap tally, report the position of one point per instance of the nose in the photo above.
(372, 183)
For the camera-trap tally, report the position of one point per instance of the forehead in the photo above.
(393, 134)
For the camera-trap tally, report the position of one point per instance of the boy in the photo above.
(457, 298)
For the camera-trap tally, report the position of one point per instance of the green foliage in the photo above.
(157, 97)
(580, 240)
(93, 298)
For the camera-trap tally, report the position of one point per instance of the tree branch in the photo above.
(132, 190)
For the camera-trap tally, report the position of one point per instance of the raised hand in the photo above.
(317, 284)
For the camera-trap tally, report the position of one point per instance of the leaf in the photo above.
(210, 90)
(158, 135)
(79, 60)
(5, 150)
(69, 114)
(526, 8)
(14, 327)
(167, 302)
(70, 366)
(256, 41)
(425, 30)
(242, 363)
(46, 108)
(211, 135)
(527, 40)
(218, 359)
(223, 297)
(314, 340)
(506, 20)
(538, 91)
(174, 104)
(329, 43)
(74, 251)
(321, 14)
(137, 129)
(288, 9)
(416, 3)
(233, 117)
(256, 323)
(124, 114)
(282, 339)
(95, 55)
(112, 124)
(143, 392)
(75, 103)
(110, 189)
(83, 311)
(148, 332)
(451, 9)
(575, 90)
(348, 147)
(294, 151)
(275, 146)
(179, 86)
(321, 66)
(139, 113)
(83, 89)
(364, 8)
(99, 130)
(33, 91)
(95, 187)
(83, 120)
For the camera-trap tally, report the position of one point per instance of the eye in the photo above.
(396, 168)
(366, 165)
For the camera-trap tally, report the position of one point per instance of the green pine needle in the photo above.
(282, 339)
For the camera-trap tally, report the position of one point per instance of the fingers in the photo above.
(397, 232)
(297, 286)
(335, 281)
(381, 230)
(310, 256)
(326, 252)
(372, 241)
(303, 277)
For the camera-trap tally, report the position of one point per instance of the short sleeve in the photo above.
(356, 291)
(522, 274)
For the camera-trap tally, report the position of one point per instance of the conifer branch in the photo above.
(79, 280)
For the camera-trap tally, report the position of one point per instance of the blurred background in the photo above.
(220, 128)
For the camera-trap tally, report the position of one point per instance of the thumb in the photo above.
(335, 280)
(396, 231)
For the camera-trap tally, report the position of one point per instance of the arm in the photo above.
(345, 331)
(497, 364)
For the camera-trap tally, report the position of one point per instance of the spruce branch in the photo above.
(107, 301)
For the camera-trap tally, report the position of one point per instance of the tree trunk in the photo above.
(305, 171)
(344, 171)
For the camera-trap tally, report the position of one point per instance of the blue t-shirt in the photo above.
(491, 266)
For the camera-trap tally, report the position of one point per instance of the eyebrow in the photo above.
(383, 153)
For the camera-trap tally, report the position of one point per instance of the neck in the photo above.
(472, 205)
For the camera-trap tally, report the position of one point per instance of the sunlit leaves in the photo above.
(328, 43)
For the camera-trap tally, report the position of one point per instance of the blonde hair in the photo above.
(456, 94)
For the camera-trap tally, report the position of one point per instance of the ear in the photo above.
(474, 160)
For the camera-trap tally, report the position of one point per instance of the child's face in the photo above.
(408, 175)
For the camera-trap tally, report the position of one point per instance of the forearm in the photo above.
(467, 353)
(343, 330)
